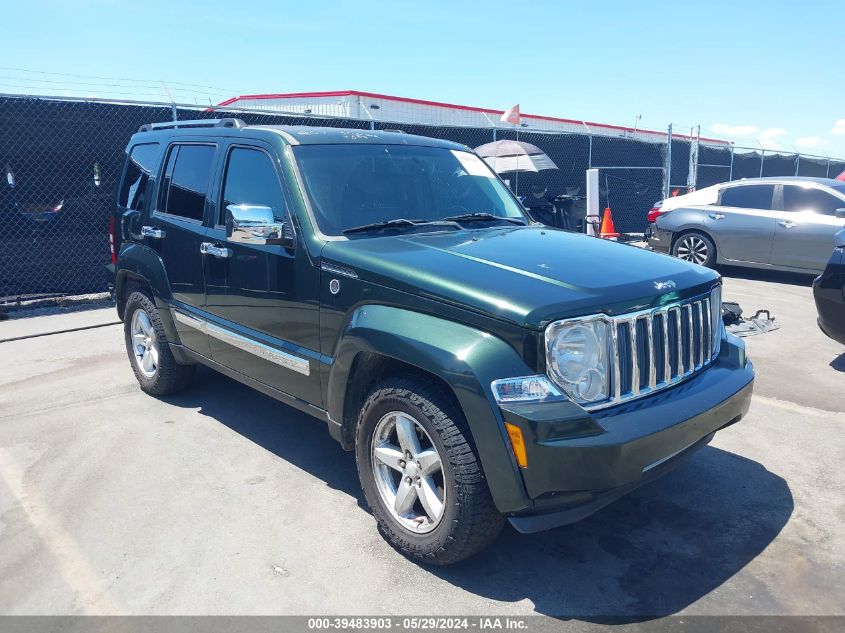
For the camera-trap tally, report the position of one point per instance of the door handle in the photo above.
(716, 216)
(150, 231)
(207, 248)
(787, 224)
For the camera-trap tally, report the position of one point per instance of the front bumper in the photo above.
(580, 462)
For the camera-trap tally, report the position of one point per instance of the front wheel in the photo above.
(696, 248)
(421, 476)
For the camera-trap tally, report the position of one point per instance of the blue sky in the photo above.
(750, 71)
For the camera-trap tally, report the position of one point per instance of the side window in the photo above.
(748, 196)
(810, 199)
(139, 165)
(186, 179)
(251, 179)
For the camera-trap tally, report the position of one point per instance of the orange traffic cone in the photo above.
(607, 229)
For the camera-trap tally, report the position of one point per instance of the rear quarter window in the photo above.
(140, 163)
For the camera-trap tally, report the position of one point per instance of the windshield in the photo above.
(355, 185)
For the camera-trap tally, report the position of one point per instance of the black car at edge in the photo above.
(829, 292)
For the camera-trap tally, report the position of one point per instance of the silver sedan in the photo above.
(778, 223)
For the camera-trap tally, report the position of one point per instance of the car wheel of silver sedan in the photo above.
(696, 248)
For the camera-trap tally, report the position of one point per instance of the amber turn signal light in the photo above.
(517, 444)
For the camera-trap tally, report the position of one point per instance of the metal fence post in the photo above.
(731, 172)
(667, 171)
(692, 168)
(797, 163)
(762, 157)
(589, 145)
(828, 167)
(174, 112)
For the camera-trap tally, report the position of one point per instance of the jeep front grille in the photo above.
(654, 349)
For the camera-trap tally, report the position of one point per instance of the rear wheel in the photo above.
(695, 247)
(420, 474)
(156, 369)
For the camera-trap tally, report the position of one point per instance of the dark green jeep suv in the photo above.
(482, 367)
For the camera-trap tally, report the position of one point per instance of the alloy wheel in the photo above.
(408, 472)
(144, 343)
(693, 249)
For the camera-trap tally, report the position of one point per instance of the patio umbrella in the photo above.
(514, 156)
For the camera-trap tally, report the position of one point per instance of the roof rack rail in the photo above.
(394, 130)
(169, 125)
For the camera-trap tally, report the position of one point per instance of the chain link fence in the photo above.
(61, 159)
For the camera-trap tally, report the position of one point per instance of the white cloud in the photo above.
(810, 141)
(723, 129)
(839, 128)
(767, 138)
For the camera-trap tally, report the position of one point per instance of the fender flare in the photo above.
(466, 359)
(141, 263)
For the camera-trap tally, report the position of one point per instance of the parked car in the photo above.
(829, 293)
(778, 223)
(481, 366)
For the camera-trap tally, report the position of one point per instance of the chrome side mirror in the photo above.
(840, 213)
(256, 224)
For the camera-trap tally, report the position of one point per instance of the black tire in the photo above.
(169, 376)
(695, 247)
(469, 520)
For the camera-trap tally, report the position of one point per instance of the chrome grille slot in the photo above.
(622, 359)
(657, 348)
(658, 325)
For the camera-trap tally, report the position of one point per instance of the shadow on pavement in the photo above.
(838, 363)
(650, 554)
(284, 431)
(758, 274)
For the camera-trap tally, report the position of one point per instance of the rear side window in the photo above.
(139, 165)
(749, 197)
(186, 179)
(810, 199)
(251, 179)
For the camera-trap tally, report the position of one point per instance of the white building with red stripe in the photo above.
(369, 106)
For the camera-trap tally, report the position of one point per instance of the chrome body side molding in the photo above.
(277, 356)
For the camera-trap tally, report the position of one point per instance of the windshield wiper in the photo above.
(398, 223)
(482, 217)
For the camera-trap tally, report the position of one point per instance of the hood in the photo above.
(526, 275)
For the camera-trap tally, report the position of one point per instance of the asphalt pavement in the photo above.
(222, 501)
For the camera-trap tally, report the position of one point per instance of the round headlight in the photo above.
(575, 349)
(577, 358)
